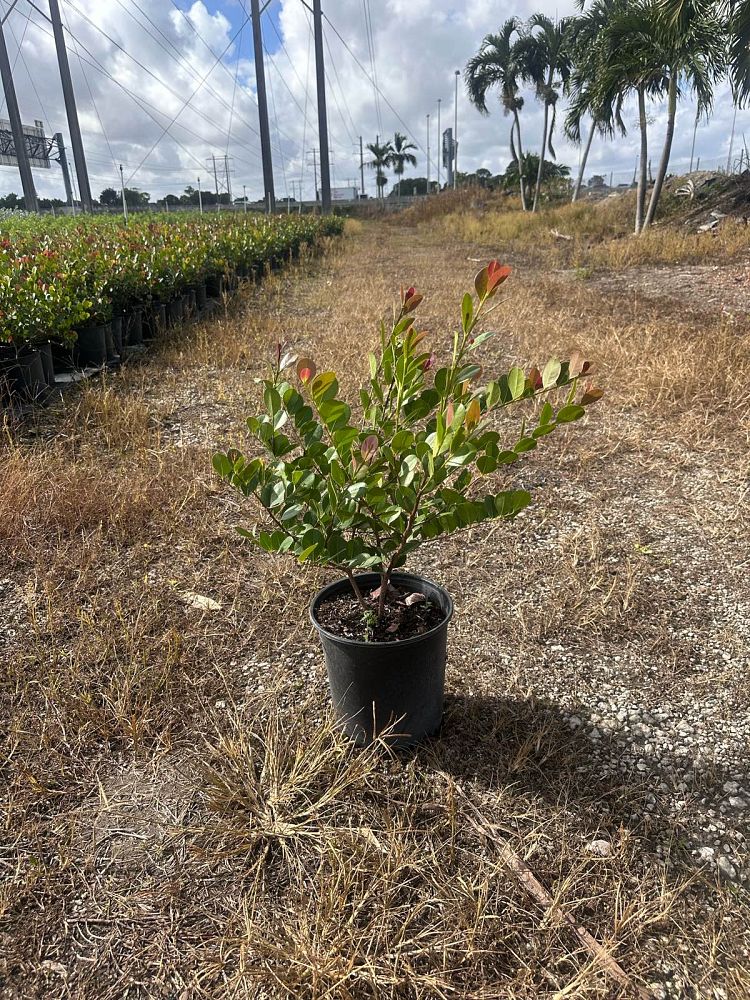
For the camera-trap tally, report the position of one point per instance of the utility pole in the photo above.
(692, 148)
(361, 166)
(216, 181)
(731, 138)
(122, 193)
(24, 167)
(315, 173)
(200, 197)
(244, 199)
(62, 159)
(325, 172)
(76, 142)
(228, 177)
(455, 134)
(428, 155)
(265, 132)
(439, 142)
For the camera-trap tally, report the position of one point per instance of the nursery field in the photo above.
(180, 817)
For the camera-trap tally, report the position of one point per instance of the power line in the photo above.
(385, 99)
(371, 49)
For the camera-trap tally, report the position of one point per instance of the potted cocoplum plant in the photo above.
(359, 493)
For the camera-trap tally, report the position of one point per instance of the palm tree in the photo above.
(400, 156)
(656, 56)
(625, 67)
(496, 65)
(587, 42)
(381, 158)
(544, 60)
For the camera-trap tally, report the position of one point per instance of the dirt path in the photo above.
(180, 819)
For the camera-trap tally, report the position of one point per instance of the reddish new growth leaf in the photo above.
(369, 448)
(306, 370)
(591, 395)
(489, 279)
(449, 414)
(410, 299)
(429, 363)
(534, 378)
(496, 275)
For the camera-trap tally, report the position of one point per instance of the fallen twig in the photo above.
(536, 890)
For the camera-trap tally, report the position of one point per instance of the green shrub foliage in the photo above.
(416, 462)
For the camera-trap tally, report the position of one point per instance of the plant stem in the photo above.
(355, 588)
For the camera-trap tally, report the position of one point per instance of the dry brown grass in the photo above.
(180, 817)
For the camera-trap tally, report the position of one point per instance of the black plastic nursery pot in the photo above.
(91, 346)
(117, 334)
(394, 686)
(133, 328)
(48, 363)
(28, 376)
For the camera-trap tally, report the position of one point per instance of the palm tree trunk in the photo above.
(664, 163)
(579, 180)
(520, 161)
(541, 158)
(640, 199)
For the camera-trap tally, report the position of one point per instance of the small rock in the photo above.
(599, 848)
(737, 802)
(726, 866)
(706, 854)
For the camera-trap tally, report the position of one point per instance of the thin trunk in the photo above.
(544, 148)
(664, 163)
(579, 181)
(520, 162)
(640, 199)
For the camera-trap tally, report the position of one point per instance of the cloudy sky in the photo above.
(164, 85)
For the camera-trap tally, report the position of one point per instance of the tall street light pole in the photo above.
(455, 134)
(325, 170)
(76, 142)
(265, 131)
(439, 147)
(428, 154)
(19, 142)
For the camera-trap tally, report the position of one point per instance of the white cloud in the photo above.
(418, 46)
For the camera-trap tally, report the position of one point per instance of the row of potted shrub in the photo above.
(74, 292)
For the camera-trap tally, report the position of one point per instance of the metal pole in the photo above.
(260, 84)
(244, 199)
(315, 174)
(122, 193)
(63, 161)
(228, 177)
(692, 148)
(24, 168)
(216, 181)
(325, 173)
(200, 197)
(455, 135)
(361, 166)
(439, 143)
(76, 142)
(731, 139)
(428, 155)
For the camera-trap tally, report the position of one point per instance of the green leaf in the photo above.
(334, 413)
(324, 387)
(481, 337)
(516, 382)
(525, 444)
(373, 361)
(567, 414)
(408, 470)
(546, 414)
(486, 464)
(551, 373)
(467, 311)
(222, 465)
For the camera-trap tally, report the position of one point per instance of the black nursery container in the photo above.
(378, 685)
(91, 346)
